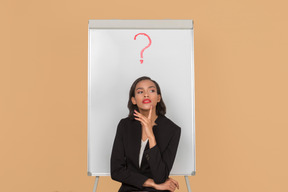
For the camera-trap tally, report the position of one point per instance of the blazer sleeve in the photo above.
(119, 171)
(161, 164)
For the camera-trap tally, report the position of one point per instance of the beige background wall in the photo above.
(241, 68)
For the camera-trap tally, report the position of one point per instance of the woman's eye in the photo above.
(152, 91)
(139, 92)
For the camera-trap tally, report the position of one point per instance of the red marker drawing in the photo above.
(141, 60)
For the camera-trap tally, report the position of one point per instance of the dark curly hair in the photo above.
(160, 107)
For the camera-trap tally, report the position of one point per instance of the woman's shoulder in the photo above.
(126, 121)
(168, 123)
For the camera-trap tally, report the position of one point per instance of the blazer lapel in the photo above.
(136, 141)
(144, 161)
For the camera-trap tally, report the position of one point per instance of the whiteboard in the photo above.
(114, 56)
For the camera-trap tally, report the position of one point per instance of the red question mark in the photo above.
(141, 60)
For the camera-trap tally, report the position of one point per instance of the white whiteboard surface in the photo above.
(113, 65)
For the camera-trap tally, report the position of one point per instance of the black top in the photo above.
(156, 163)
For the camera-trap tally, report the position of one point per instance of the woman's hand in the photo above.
(170, 184)
(146, 123)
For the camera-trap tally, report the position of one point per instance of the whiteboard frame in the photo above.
(141, 24)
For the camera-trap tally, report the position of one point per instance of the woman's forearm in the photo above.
(161, 162)
(149, 183)
(169, 184)
(152, 141)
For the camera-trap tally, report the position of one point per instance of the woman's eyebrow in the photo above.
(139, 88)
(148, 87)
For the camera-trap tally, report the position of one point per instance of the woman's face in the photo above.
(146, 95)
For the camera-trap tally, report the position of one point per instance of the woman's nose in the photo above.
(146, 94)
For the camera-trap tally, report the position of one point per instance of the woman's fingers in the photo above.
(172, 186)
(136, 113)
(138, 119)
(148, 119)
(139, 115)
(167, 185)
(145, 122)
(175, 182)
(150, 113)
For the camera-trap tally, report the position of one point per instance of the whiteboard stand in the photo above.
(96, 183)
(188, 184)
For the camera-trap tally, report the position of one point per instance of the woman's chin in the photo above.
(145, 108)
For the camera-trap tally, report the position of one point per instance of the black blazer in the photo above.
(156, 163)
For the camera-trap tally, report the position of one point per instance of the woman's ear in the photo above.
(158, 98)
(133, 100)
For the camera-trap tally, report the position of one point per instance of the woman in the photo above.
(146, 142)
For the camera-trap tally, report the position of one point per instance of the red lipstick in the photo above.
(146, 101)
